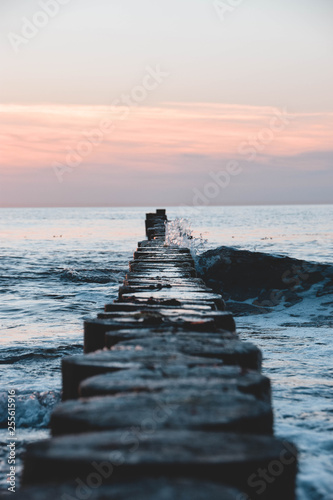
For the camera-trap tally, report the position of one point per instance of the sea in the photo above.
(60, 265)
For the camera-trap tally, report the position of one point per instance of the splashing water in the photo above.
(179, 232)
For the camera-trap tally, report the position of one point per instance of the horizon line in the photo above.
(173, 206)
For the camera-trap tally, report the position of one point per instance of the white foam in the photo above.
(32, 410)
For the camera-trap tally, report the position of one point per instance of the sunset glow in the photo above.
(184, 140)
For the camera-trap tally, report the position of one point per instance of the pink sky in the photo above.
(175, 145)
(37, 136)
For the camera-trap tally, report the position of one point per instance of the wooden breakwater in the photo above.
(166, 402)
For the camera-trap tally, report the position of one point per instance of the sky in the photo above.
(184, 102)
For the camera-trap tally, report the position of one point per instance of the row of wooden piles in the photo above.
(166, 402)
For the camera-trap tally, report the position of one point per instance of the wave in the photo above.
(70, 274)
(32, 409)
(17, 355)
(256, 282)
(101, 276)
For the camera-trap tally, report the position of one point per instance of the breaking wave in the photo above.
(17, 355)
(32, 409)
(179, 232)
(91, 275)
(256, 282)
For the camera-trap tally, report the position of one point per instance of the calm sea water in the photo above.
(59, 265)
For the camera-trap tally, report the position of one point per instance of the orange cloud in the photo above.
(36, 136)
